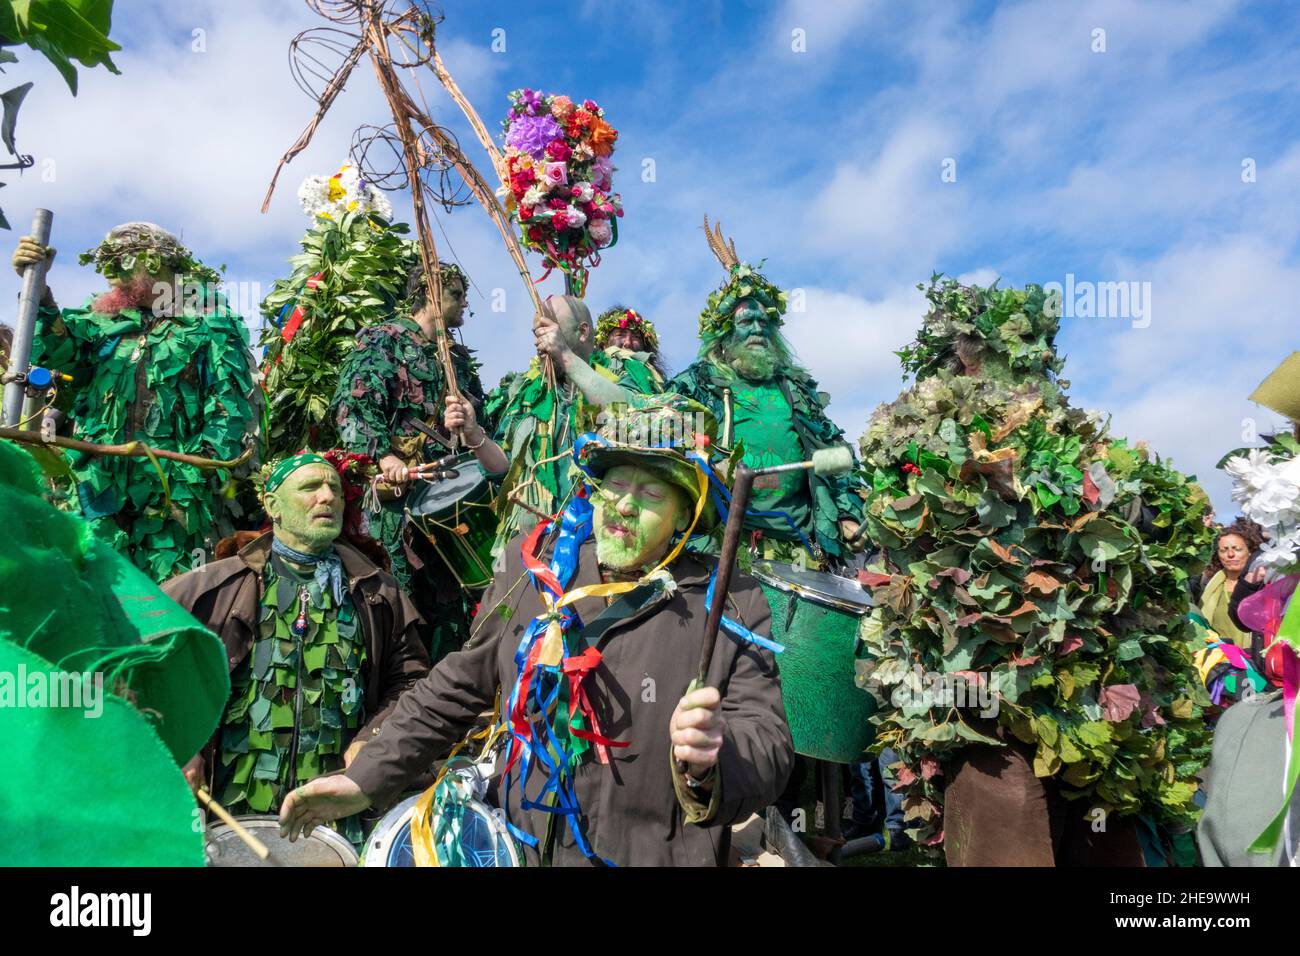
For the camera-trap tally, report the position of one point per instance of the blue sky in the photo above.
(817, 133)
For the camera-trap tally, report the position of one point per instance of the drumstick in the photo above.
(252, 842)
(825, 462)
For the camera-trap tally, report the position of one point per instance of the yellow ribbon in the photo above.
(422, 817)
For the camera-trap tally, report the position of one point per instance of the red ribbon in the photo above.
(295, 318)
(576, 669)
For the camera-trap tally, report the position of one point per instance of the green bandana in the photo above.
(287, 466)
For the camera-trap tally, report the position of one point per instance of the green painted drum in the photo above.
(816, 615)
(457, 517)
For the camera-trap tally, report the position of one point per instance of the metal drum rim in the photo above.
(253, 822)
(815, 597)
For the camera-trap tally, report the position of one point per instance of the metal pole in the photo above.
(29, 301)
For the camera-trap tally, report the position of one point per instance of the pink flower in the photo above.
(600, 232)
(555, 174)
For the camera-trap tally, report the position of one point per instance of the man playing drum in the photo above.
(596, 664)
(391, 389)
(537, 424)
(351, 639)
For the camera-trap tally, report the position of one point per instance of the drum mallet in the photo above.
(252, 842)
(826, 462)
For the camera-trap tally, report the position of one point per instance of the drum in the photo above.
(483, 838)
(816, 615)
(457, 517)
(324, 847)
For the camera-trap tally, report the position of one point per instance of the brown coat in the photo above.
(226, 596)
(637, 809)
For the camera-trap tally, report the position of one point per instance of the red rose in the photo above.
(556, 204)
(525, 212)
(536, 233)
(558, 150)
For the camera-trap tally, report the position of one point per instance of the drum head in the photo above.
(323, 848)
(829, 590)
(434, 497)
(483, 838)
(390, 841)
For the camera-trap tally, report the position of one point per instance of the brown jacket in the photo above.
(637, 809)
(226, 596)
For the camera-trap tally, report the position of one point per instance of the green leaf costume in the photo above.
(785, 420)
(536, 428)
(294, 705)
(1028, 551)
(80, 788)
(391, 379)
(350, 276)
(181, 383)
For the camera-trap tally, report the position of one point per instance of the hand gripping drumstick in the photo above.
(252, 842)
(825, 462)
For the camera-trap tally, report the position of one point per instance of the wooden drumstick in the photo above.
(252, 842)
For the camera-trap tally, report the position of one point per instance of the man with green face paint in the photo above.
(768, 405)
(160, 358)
(537, 424)
(623, 713)
(320, 643)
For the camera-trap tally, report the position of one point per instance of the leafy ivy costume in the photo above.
(296, 701)
(180, 382)
(390, 382)
(778, 422)
(350, 276)
(536, 428)
(1031, 562)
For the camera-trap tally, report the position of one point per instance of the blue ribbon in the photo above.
(328, 567)
(735, 627)
(575, 528)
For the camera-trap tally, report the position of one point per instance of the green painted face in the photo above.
(749, 348)
(637, 513)
(307, 508)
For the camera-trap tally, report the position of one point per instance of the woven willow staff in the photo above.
(424, 144)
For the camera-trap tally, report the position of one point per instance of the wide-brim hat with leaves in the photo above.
(744, 281)
(655, 434)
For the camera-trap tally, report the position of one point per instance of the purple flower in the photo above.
(531, 134)
(532, 101)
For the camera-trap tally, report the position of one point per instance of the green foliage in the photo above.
(1026, 547)
(743, 282)
(1011, 329)
(63, 31)
(365, 262)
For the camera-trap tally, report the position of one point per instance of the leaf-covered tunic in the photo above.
(294, 706)
(795, 421)
(179, 383)
(390, 381)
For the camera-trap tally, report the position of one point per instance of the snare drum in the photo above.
(816, 616)
(483, 838)
(324, 847)
(457, 517)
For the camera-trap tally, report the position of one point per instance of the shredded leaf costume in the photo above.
(536, 428)
(1027, 551)
(295, 703)
(182, 383)
(390, 380)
